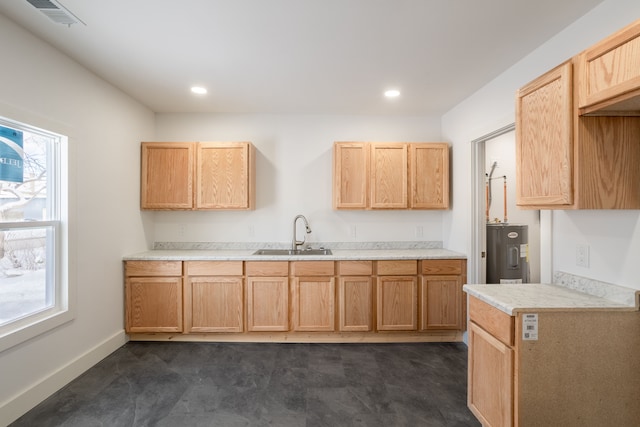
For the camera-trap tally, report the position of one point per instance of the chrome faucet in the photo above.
(295, 242)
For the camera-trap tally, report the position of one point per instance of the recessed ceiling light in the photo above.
(392, 93)
(199, 90)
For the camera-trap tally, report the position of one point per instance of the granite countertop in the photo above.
(570, 293)
(337, 255)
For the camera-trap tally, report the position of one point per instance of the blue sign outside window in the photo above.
(11, 155)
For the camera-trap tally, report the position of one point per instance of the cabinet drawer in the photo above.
(213, 268)
(355, 268)
(312, 268)
(442, 266)
(153, 268)
(389, 268)
(267, 268)
(492, 320)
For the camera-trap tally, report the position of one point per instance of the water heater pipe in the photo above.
(505, 198)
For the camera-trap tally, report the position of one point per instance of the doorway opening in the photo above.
(494, 189)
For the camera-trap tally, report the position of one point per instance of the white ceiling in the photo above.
(301, 56)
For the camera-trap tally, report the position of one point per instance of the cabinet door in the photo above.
(225, 175)
(355, 299)
(153, 304)
(389, 176)
(429, 176)
(166, 180)
(213, 304)
(350, 175)
(441, 302)
(544, 140)
(610, 74)
(490, 395)
(397, 303)
(267, 303)
(313, 304)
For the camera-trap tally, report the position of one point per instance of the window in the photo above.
(32, 290)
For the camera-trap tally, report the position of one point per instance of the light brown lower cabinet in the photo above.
(213, 296)
(581, 370)
(346, 300)
(397, 295)
(355, 296)
(153, 295)
(313, 296)
(491, 378)
(441, 297)
(267, 296)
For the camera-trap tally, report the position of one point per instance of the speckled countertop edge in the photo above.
(337, 255)
(580, 295)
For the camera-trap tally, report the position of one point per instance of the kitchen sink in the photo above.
(292, 252)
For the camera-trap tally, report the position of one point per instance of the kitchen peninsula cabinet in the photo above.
(267, 295)
(153, 295)
(313, 295)
(441, 298)
(554, 365)
(390, 175)
(213, 296)
(198, 176)
(565, 160)
(397, 295)
(355, 295)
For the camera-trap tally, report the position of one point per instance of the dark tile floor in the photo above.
(245, 384)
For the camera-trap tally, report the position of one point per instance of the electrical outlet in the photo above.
(419, 232)
(352, 231)
(582, 255)
(182, 230)
(252, 231)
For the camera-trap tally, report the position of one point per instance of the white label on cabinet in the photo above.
(530, 327)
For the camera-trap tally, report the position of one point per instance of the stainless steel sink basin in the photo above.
(292, 252)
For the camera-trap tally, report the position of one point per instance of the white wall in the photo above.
(42, 87)
(294, 167)
(613, 236)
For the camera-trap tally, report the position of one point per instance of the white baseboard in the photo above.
(20, 404)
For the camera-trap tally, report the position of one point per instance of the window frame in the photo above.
(62, 310)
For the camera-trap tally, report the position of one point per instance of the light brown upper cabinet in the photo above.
(610, 74)
(429, 176)
(390, 175)
(544, 140)
(198, 176)
(350, 175)
(568, 161)
(167, 175)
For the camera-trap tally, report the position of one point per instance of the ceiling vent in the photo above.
(56, 12)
